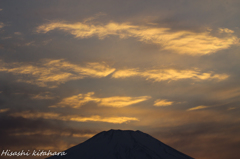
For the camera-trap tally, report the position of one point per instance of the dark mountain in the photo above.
(119, 144)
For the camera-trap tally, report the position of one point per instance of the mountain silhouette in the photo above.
(122, 144)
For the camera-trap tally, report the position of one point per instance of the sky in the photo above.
(70, 69)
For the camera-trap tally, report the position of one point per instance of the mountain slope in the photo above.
(119, 144)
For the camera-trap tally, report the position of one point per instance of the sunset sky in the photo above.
(70, 69)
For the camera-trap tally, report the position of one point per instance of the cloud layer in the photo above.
(77, 101)
(51, 73)
(158, 75)
(57, 116)
(182, 42)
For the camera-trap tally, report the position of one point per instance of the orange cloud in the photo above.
(51, 73)
(198, 107)
(57, 116)
(162, 102)
(4, 110)
(115, 120)
(183, 42)
(168, 74)
(77, 101)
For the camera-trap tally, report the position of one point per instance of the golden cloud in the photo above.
(198, 107)
(77, 101)
(115, 120)
(183, 42)
(4, 110)
(162, 102)
(51, 73)
(168, 74)
(118, 101)
(57, 116)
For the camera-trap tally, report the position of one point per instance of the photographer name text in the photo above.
(31, 153)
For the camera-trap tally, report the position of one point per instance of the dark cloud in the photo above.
(18, 134)
(205, 140)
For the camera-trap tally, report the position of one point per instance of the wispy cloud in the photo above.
(225, 30)
(183, 42)
(51, 73)
(168, 74)
(231, 108)
(77, 101)
(4, 110)
(198, 107)
(118, 101)
(51, 132)
(57, 116)
(162, 102)
(18, 33)
(2, 25)
(40, 96)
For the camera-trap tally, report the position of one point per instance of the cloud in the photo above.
(168, 74)
(51, 73)
(2, 25)
(225, 30)
(4, 110)
(231, 108)
(198, 107)
(77, 101)
(208, 134)
(21, 133)
(42, 96)
(162, 102)
(49, 132)
(118, 101)
(57, 116)
(115, 120)
(83, 135)
(18, 33)
(182, 42)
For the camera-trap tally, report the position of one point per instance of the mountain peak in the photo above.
(122, 144)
